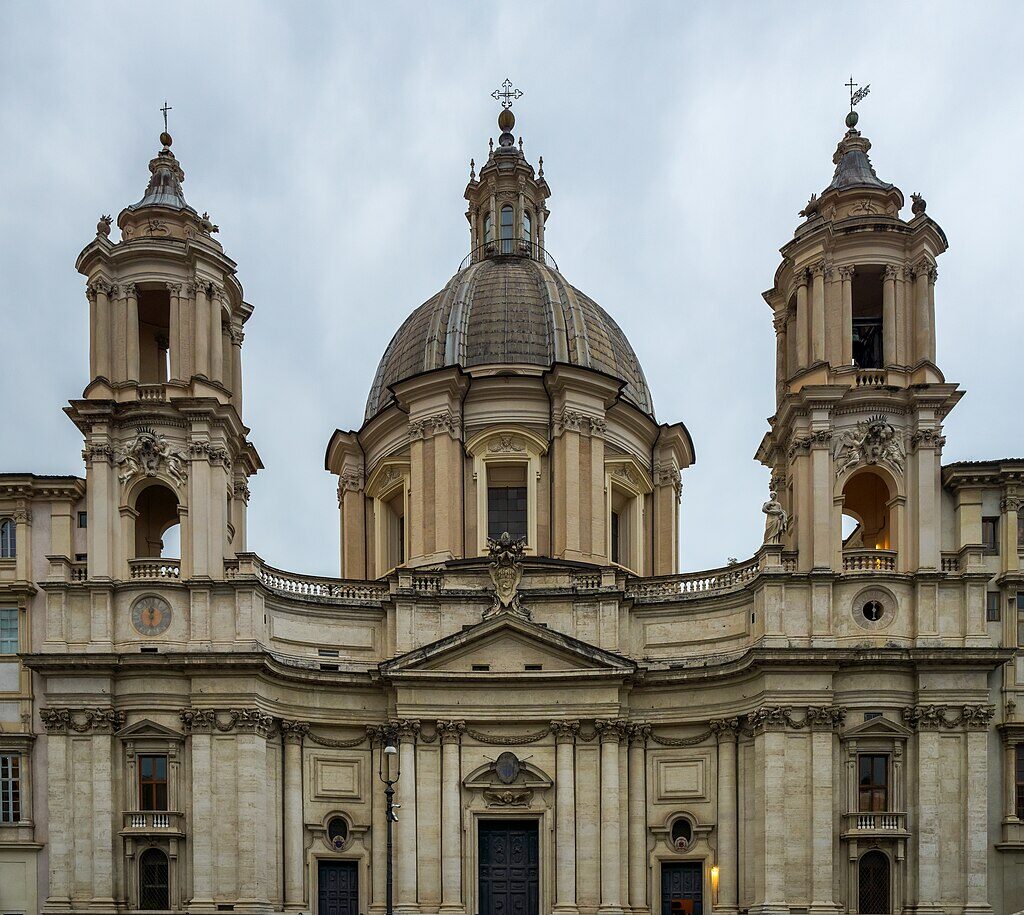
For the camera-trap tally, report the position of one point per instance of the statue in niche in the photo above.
(776, 521)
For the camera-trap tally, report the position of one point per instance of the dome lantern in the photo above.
(507, 211)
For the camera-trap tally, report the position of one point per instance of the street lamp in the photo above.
(389, 752)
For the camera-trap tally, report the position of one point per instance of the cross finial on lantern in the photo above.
(506, 94)
(858, 95)
(165, 109)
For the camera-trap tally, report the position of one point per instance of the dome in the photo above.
(509, 310)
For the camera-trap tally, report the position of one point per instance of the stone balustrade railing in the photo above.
(712, 581)
(876, 822)
(152, 392)
(586, 581)
(316, 586)
(871, 379)
(152, 821)
(154, 569)
(79, 571)
(869, 560)
(950, 562)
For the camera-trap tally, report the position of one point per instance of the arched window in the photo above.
(527, 230)
(507, 229)
(488, 229)
(157, 508)
(866, 525)
(873, 884)
(8, 539)
(154, 881)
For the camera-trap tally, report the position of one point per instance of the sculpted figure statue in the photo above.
(776, 521)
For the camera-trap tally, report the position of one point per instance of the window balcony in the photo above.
(154, 569)
(870, 825)
(869, 560)
(153, 823)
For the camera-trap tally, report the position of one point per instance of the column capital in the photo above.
(294, 731)
(130, 289)
(1010, 504)
(800, 277)
(450, 731)
(893, 272)
(770, 718)
(611, 730)
(408, 728)
(81, 720)
(822, 268)
(565, 731)
(725, 729)
(638, 734)
(825, 718)
(846, 272)
(173, 288)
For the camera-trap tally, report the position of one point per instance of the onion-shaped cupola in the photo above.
(507, 210)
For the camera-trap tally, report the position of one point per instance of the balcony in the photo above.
(154, 569)
(154, 393)
(153, 823)
(870, 825)
(869, 560)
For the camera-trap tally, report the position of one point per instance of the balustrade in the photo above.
(876, 822)
(869, 560)
(153, 821)
(154, 569)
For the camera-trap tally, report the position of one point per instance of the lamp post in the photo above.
(389, 750)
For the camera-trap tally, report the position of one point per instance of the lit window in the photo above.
(10, 788)
(990, 534)
(8, 630)
(8, 539)
(873, 783)
(507, 229)
(992, 607)
(152, 782)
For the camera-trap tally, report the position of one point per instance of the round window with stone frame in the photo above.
(337, 833)
(874, 608)
(681, 833)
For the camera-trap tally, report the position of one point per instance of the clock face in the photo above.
(151, 615)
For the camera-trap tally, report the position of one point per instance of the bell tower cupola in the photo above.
(166, 450)
(855, 442)
(507, 211)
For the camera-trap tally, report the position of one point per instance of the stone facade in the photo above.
(830, 726)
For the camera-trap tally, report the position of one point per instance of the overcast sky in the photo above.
(331, 143)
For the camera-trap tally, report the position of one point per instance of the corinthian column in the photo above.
(611, 732)
(132, 332)
(846, 286)
(802, 321)
(451, 825)
(889, 334)
(638, 816)
(293, 733)
(726, 731)
(405, 840)
(818, 311)
(216, 337)
(565, 814)
(174, 332)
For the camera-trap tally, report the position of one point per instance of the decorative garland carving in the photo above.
(338, 743)
(245, 720)
(508, 740)
(81, 720)
(680, 741)
(503, 444)
(933, 717)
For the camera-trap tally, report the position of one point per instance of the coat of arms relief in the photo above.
(506, 568)
(146, 455)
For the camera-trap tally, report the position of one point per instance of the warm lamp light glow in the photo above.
(714, 884)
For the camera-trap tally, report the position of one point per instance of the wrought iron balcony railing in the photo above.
(508, 247)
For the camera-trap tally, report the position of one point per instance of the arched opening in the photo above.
(154, 881)
(8, 538)
(157, 534)
(866, 515)
(507, 229)
(873, 884)
(154, 335)
(682, 834)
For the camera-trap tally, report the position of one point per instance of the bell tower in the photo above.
(855, 443)
(166, 450)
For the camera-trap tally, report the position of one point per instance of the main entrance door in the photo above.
(682, 888)
(509, 868)
(339, 888)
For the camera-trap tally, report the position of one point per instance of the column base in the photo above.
(452, 908)
(985, 909)
(769, 908)
(407, 908)
(611, 910)
(824, 908)
(565, 910)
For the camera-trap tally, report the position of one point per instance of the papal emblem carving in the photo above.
(506, 568)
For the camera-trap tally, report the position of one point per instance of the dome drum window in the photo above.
(388, 487)
(8, 538)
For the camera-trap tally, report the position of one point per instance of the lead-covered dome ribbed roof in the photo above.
(514, 311)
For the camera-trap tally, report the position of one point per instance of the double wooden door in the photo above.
(682, 888)
(338, 883)
(509, 867)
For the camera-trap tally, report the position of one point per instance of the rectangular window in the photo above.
(615, 537)
(152, 782)
(992, 599)
(990, 534)
(873, 783)
(8, 630)
(1020, 781)
(83, 519)
(506, 511)
(1020, 619)
(10, 788)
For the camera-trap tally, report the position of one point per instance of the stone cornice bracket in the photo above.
(934, 718)
(611, 729)
(565, 731)
(725, 728)
(294, 731)
(81, 720)
(450, 731)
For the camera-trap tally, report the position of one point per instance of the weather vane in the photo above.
(506, 94)
(165, 109)
(859, 95)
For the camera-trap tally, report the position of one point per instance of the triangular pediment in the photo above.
(877, 727)
(147, 728)
(507, 644)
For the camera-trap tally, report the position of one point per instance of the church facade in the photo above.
(572, 725)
